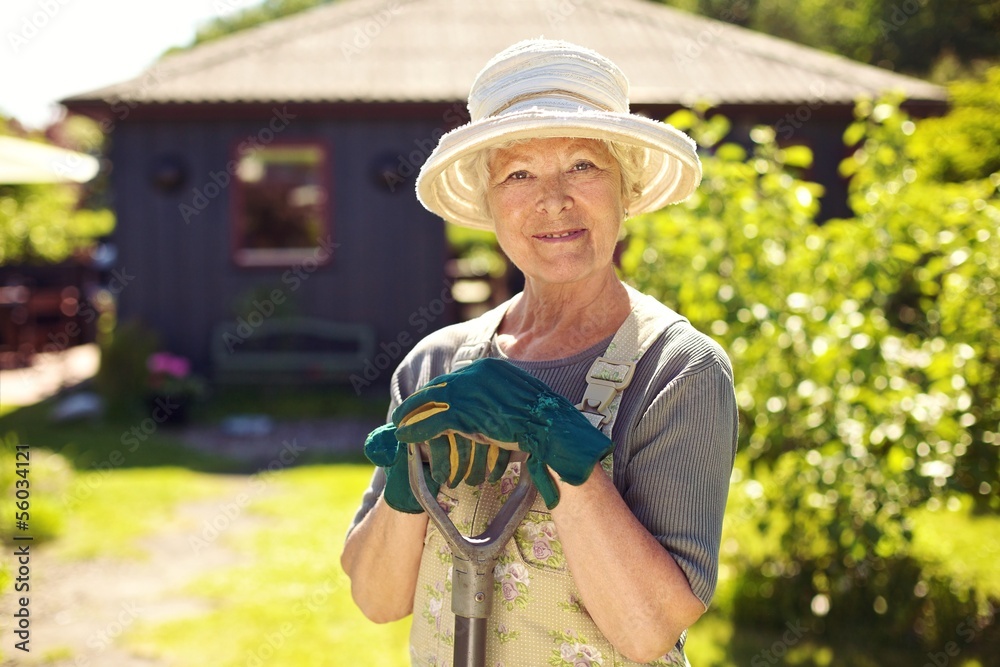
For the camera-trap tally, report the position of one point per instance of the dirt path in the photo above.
(80, 609)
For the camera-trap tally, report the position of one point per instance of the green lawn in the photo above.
(289, 604)
(141, 500)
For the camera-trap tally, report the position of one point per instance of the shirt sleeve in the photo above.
(377, 484)
(677, 480)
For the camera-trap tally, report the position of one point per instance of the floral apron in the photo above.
(537, 616)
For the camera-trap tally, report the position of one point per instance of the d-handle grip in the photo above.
(474, 557)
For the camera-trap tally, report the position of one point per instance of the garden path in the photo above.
(81, 608)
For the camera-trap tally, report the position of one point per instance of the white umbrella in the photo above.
(23, 161)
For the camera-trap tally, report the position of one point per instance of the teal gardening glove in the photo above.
(453, 459)
(384, 450)
(492, 401)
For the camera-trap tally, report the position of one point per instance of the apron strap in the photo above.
(612, 372)
(478, 343)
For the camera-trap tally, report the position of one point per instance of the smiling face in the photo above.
(557, 206)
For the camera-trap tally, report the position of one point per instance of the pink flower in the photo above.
(541, 549)
(509, 591)
(580, 655)
(518, 573)
(588, 653)
(507, 485)
(168, 364)
(548, 529)
(447, 504)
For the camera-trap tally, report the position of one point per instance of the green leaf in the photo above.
(905, 252)
(797, 156)
(731, 152)
(682, 119)
(854, 132)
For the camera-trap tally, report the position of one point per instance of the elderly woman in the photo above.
(627, 413)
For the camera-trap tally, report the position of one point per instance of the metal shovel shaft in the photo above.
(470, 642)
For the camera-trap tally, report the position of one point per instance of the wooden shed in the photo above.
(277, 164)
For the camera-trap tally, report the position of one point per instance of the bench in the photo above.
(289, 350)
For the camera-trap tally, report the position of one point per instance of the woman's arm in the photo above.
(382, 559)
(644, 549)
(631, 586)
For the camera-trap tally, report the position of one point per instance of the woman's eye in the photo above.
(517, 175)
(582, 165)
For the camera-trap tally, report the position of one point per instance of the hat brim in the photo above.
(672, 169)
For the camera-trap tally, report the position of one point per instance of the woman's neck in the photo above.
(555, 321)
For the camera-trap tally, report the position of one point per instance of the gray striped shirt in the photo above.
(674, 437)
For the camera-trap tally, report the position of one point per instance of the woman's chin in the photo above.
(564, 275)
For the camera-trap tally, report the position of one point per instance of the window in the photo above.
(280, 205)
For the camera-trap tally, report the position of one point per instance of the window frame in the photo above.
(276, 258)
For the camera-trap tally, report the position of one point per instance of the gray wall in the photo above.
(389, 264)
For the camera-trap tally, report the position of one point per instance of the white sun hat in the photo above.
(547, 88)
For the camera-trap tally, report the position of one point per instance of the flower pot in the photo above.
(169, 409)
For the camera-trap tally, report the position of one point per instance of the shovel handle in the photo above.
(472, 558)
(490, 543)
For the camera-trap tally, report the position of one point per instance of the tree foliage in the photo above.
(45, 222)
(235, 16)
(40, 223)
(866, 357)
(906, 35)
(965, 144)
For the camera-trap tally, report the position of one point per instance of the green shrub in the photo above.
(965, 144)
(866, 362)
(122, 377)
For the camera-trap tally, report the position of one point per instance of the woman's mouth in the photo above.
(561, 235)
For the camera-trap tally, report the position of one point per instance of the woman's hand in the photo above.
(492, 401)
(454, 459)
(384, 450)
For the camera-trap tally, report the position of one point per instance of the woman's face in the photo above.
(557, 207)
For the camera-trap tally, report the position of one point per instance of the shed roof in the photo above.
(431, 50)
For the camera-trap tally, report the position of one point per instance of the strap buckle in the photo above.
(605, 380)
(466, 354)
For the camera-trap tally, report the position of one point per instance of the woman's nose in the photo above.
(553, 196)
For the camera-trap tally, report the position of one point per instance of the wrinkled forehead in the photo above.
(539, 150)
